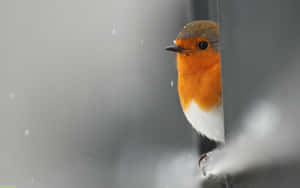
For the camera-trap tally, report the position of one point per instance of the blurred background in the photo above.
(87, 94)
(89, 99)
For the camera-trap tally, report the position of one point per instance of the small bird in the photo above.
(199, 79)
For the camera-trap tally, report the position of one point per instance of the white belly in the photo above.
(210, 124)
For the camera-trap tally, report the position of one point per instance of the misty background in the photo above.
(89, 98)
(86, 96)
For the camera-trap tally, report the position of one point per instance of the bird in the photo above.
(199, 81)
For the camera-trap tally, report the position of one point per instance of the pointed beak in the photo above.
(174, 48)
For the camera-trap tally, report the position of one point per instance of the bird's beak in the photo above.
(174, 48)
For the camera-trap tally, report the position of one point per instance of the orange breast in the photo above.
(201, 83)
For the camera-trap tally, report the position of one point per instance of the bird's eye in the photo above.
(203, 45)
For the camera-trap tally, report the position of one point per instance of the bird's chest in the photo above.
(202, 88)
(200, 97)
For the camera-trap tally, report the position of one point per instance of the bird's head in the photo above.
(196, 47)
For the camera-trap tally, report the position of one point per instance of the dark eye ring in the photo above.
(203, 45)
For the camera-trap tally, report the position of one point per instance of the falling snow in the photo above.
(114, 31)
(11, 96)
(172, 83)
(142, 42)
(26, 132)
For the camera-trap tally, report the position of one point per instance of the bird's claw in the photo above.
(202, 158)
(202, 163)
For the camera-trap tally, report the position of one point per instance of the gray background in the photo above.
(86, 96)
(86, 99)
(261, 62)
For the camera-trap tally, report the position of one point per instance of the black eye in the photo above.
(203, 45)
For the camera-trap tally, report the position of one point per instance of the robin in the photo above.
(199, 80)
